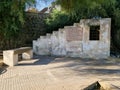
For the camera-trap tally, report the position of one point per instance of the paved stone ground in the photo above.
(59, 73)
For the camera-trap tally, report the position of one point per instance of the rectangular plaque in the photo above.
(74, 34)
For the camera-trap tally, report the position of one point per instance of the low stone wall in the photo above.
(77, 40)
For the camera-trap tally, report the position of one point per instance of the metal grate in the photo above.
(94, 32)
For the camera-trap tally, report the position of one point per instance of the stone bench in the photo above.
(10, 57)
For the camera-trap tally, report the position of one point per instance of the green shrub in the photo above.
(57, 19)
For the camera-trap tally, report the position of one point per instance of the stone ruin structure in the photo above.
(88, 39)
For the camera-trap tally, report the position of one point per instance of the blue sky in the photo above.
(43, 3)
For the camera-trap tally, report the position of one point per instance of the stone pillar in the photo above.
(27, 55)
(10, 58)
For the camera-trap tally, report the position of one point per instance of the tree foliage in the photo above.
(57, 19)
(11, 16)
(79, 9)
(11, 19)
(86, 8)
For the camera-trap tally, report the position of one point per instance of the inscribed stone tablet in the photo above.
(74, 34)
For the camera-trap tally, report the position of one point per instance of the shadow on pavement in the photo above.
(3, 69)
(80, 66)
(38, 60)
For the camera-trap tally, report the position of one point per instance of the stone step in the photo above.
(61, 33)
(61, 30)
(48, 35)
(42, 37)
(69, 27)
(55, 32)
(38, 39)
(77, 24)
(34, 41)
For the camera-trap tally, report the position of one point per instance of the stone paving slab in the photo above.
(60, 73)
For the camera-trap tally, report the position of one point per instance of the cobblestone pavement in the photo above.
(59, 73)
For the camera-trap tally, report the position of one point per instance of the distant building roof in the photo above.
(32, 10)
(44, 10)
(50, 8)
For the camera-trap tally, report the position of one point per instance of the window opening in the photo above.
(94, 32)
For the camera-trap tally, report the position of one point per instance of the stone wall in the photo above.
(34, 26)
(101, 47)
(74, 41)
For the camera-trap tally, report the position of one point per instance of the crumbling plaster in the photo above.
(74, 41)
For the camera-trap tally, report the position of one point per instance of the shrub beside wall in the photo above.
(33, 28)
